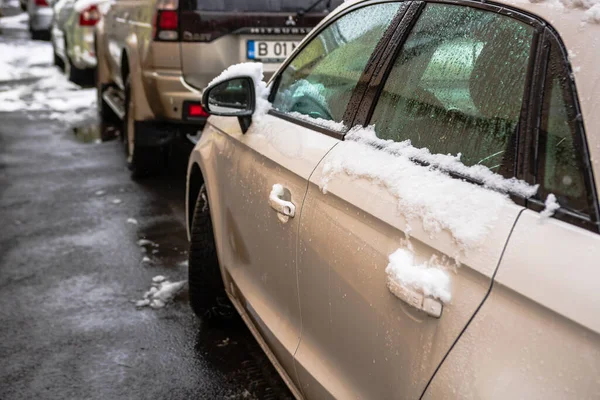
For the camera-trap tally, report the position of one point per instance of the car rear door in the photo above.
(217, 34)
(272, 162)
(399, 241)
(543, 311)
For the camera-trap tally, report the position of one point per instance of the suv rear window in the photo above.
(285, 6)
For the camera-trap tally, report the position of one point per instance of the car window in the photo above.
(457, 86)
(319, 81)
(560, 166)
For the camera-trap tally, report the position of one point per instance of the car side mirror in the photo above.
(233, 97)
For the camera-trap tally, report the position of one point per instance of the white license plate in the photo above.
(270, 50)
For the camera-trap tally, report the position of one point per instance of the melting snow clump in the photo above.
(132, 221)
(551, 206)
(429, 280)
(466, 210)
(593, 14)
(253, 70)
(161, 292)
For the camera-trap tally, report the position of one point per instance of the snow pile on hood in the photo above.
(46, 92)
(429, 280)
(449, 163)
(466, 210)
(161, 292)
(551, 206)
(253, 70)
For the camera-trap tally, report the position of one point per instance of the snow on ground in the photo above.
(18, 21)
(41, 89)
(161, 292)
(429, 279)
(466, 210)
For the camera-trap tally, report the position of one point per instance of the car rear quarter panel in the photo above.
(537, 336)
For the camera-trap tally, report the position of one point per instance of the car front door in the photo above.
(266, 171)
(399, 240)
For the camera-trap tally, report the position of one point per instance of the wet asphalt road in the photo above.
(70, 267)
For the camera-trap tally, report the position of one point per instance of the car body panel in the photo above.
(40, 17)
(352, 322)
(538, 333)
(273, 151)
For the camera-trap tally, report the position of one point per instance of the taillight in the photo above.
(90, 16)
(41, 3)
(165, 24)
(193, 110)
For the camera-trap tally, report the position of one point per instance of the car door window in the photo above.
(320, 79)
(560, 164)
(457, 86)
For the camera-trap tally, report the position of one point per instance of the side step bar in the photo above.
(115, 100)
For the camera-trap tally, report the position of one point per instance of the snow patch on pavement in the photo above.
(18, 21)
(161, 292)
(43, 90)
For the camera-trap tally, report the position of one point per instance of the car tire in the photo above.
(110, 123)
(142, 161)
(206, 289)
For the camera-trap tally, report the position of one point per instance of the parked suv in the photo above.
(410, 209)
(154, 58)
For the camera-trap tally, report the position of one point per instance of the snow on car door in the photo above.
(396, 255)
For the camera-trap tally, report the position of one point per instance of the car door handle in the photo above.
(283, 207)
(430, 306)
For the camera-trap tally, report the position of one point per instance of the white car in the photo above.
(409, 209)
(40, 18)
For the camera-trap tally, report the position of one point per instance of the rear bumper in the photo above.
(81, 47)
(166, 91)
(162, 132)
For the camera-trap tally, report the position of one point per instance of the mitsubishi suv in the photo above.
(155, 57)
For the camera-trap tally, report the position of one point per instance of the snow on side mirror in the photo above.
(233, 97)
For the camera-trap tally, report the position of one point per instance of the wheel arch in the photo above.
(131, 65)
(194, 184)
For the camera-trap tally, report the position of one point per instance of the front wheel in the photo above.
(143, 161)
(206, 289)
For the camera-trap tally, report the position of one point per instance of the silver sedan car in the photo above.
(40, 18)
(73, 36)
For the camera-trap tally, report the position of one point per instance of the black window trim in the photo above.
(550, 39)
(364, 79)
